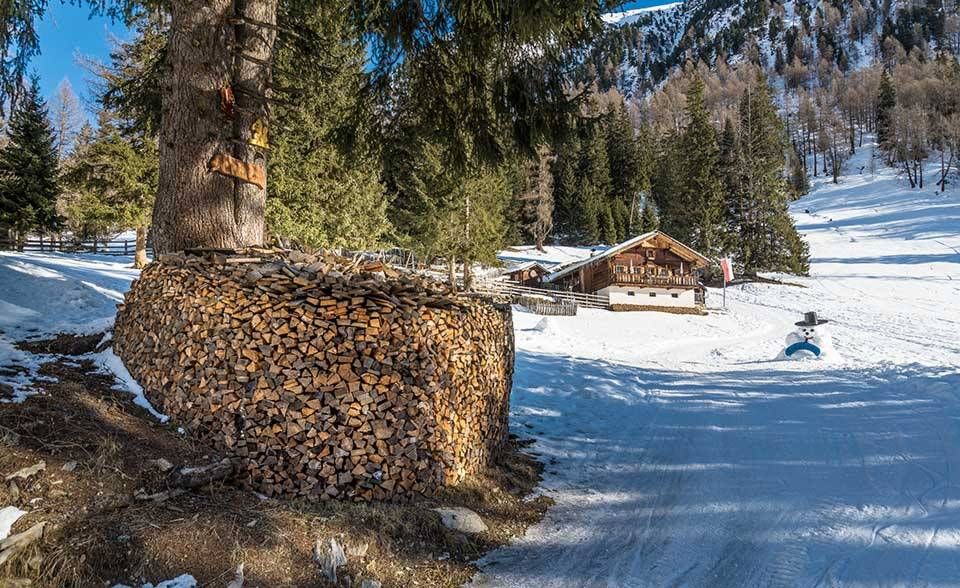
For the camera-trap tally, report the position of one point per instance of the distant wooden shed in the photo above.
(530, 273)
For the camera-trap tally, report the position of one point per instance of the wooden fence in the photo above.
(540, 305)
(127, 247)
(513, 289)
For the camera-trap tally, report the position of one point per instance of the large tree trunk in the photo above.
(452, 272)
(467, 276)
(140, 253)
(213, 45)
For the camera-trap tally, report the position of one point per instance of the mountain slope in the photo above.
(638, 49)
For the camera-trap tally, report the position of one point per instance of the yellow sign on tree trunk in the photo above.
(258, 134)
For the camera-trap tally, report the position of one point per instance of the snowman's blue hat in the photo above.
(810, 320)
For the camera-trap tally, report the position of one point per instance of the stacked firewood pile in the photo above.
(320, 377)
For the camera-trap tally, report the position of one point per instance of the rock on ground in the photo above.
(461, 519)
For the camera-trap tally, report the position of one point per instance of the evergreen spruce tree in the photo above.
(667, 178)
(439, 209)
(29, 168)
(731, 189)
(479, 92)
(886, 102)
(594, 217)
(695, 214)
(113, 179)
(702, 182)
(625, 173)
(648, 220)
(86, 214)
(321, 192)
(646, 159)
(565, 189)
(587, 214)
(457, 215)
(768, 239)
(608, 224)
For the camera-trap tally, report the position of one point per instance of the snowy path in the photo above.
(680, 454)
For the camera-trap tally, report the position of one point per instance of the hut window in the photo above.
(620, 269)
(631, 293)
(675, 296)
(653, 295)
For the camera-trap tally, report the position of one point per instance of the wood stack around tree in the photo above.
(321, 378)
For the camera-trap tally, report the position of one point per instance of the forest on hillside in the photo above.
(710, 143)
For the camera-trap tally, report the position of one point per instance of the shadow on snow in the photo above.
(755, 477)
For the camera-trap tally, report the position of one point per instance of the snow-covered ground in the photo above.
(44, 294)
(680, 453)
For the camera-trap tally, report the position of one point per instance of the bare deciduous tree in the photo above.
(909, 143)
(537, 199)
(67, 118)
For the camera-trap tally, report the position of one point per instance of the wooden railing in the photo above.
(513, 289)
(645, 280)
(128, 247)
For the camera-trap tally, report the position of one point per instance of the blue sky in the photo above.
(65, 32)
(68, 30)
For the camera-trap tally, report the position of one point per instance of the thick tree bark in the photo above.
(213, 44)
(467, 276)
(452, 272)
(140, 252)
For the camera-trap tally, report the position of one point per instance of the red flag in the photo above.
(727, 266)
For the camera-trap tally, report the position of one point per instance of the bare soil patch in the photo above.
(99, 450)
(63, 344)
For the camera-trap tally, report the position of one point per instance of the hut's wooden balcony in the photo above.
(627, 279)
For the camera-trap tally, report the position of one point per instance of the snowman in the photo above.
(811, 339)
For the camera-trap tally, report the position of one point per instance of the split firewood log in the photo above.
(320, 377)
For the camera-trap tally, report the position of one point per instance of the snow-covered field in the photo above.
(680, 453)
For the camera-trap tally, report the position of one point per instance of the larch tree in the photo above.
(66, 117)
(537, 197)
(909, 142)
